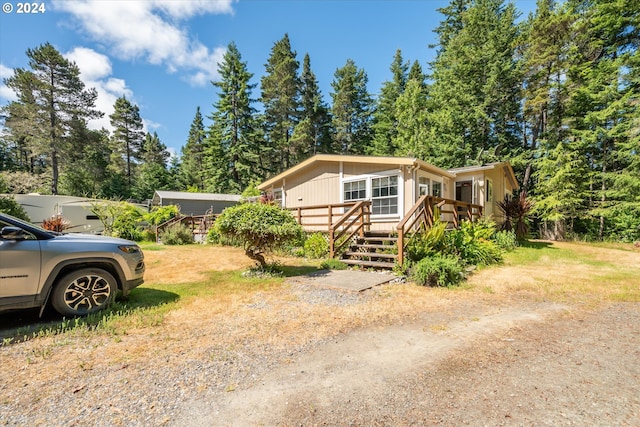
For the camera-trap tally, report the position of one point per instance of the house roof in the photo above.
(337, 158)
(184, 195)
(506, 167)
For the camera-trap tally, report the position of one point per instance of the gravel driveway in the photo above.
(517, 364)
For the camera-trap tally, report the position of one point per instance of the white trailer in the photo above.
(75, 210)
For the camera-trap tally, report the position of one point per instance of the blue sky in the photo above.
(162, 54)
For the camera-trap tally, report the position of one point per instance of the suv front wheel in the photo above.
(84, 291)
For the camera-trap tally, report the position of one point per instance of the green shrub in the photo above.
(9, 206)
(471, 244)
(505, 240)
(316, 246)
(261, 228)
(334, 264)
(148, 235)
(162, 214)
(120, 219)
(177, 234)
(437, 270)
(426, 243)
(215, 238)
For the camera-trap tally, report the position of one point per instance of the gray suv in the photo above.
(78, 274)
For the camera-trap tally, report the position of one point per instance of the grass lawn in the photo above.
(190, 288)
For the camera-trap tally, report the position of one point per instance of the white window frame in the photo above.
(426, 186)
(281, 198)
(489, 190)
(350, 181)
(368, 178)
(433, 188)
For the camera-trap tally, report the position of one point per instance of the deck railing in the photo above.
(355, 221)
(342, 221)
(199, 224)
(343, 226)
(422, 216)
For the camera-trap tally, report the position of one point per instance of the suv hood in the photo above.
(73, 237)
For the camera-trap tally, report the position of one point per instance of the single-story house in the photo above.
(195, 203)
(393, 185)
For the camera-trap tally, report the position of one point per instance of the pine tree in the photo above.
(89, 155)
(127, 140)
(233, 148)
(545, 46)
(50, 97)
(604, 104)
(476, 88)
(281, 99)
(153, 174)
(313, 132)
(452, 23)
(351, 110)
(192, 167)
(412, 131)
(384, 118)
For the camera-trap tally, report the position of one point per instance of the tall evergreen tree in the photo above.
(452, 23)
(313, 132)
(545, 46)
(476, 88)
(153, 174)
(192, 166)
(351, 110)
(89, 156)
(233, 145)
(281, 99)
(50, 96)
(416, 73)
(604, 104)
(411, 136)
(384, 118)
(127, 140)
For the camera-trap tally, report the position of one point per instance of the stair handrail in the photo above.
(360, 214)
(421, 211)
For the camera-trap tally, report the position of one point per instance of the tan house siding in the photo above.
(313, 186)
(320, 180)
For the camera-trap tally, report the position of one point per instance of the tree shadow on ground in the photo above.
(297, 270)
(536, 244)
(23, 325)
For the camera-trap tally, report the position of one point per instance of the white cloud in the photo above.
(151, 31)
(6, 94)
(95, 72)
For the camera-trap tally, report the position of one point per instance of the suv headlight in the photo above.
(129, 249)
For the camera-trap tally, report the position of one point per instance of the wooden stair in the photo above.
(375, 250)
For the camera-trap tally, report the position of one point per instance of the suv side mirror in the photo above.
(12, 233)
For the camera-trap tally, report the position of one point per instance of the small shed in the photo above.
(195, 203)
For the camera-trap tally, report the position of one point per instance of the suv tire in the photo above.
(84, 291)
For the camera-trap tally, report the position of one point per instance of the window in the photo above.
(423, 186)
(437, 189)
(355, 190)
(489, 190)
(384, 195)
(277, 197)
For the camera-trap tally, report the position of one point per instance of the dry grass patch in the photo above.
(184, 264)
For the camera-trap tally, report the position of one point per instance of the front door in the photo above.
(464, 191)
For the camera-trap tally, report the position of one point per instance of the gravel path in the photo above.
(533, 366)
(522, 364)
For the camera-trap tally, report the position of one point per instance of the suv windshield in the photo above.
(24, 224)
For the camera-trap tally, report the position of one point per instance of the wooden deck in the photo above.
(346, 222)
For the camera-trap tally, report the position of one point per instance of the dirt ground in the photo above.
(396, 355)
(540, 365)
